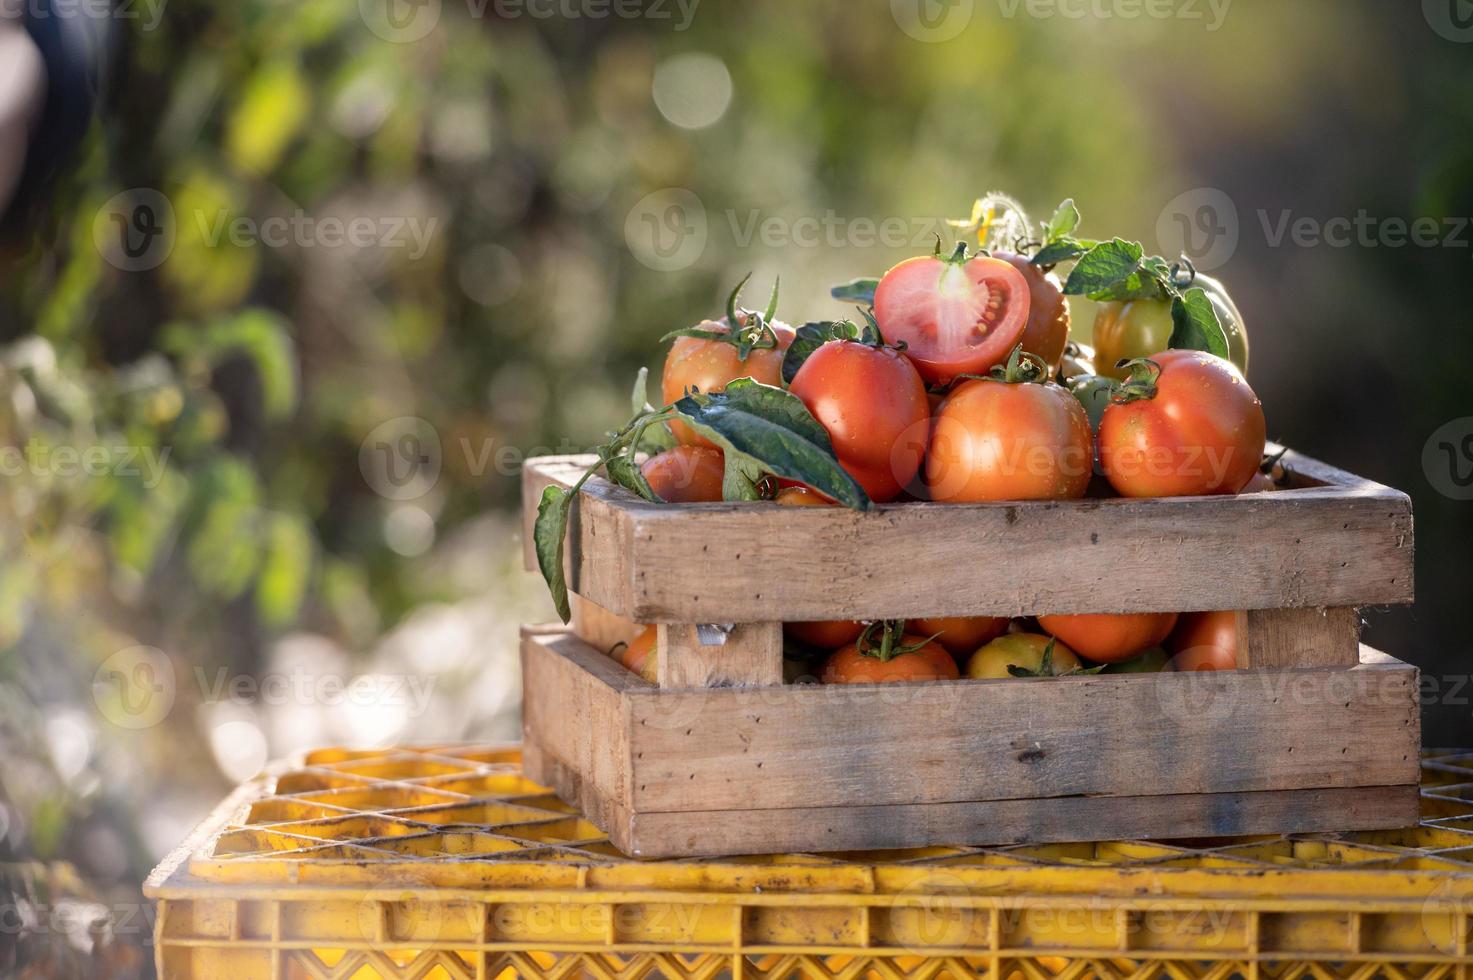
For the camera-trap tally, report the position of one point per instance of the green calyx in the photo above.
(1140, 385)
(1022, 367)
(747, 330)
(1046, 666)
(884, 640)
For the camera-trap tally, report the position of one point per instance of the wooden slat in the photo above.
(1278, 638)
(598, 551)
(1237, 731)
(1075, 818)
(752, 656)
(575, 723)
(1340, 544)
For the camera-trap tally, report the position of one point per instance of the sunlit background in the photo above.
(325, 548)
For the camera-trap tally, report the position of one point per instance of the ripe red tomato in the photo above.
(686, 474)
(874, 406)
(1197, 428)
(710, 365)
(930, 662)
(825, 634)
(994, 440)
(955, 315)
(962, 636)
(1109, 638)
(1047, 331)
(1204, 641)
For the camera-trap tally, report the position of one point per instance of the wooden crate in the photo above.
(1315, 733)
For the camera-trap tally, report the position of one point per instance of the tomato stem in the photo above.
(890, 643)
(1140, 385)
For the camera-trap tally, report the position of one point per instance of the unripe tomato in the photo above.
(1047, 331)
(1139, 328)
(930, 662)
(1019, 650)
(874, 406)
(1110, 638)
(962, 636)
(686, 474)
(954, 315)
(710, 365)
(1196, 428)
(1204, 641)
(992, 440)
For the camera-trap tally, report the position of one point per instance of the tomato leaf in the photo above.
(624, 471)
(547, 535)
(739, 479)
(1150, 281)
(770, 430)
(1104, 266)
(1196, 324)
(1063, 223)
(856, 291)
(1062, 250)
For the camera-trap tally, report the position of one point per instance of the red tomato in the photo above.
(710, 365)
(962, 636)
(993, 440)
(930, 662)
(1196, 429)
(1204, 641)
(1109, 639)
(1047, 331)
(826, 634)
(955, 316)
(686, 474)
(873, 404)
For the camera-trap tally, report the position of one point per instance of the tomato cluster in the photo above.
(964, 388)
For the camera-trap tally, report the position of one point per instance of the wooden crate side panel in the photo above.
(1076, 818)
(575, 724)
(752, 656)
(1336, 540)
(1311, 547)
(1146, 735)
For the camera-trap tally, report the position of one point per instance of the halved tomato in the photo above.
(955, 315)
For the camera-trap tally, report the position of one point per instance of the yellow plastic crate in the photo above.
(446, 863)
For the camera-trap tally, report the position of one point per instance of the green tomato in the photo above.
(1093, 392)
(1150, 662)
(1019, 650)
(1142, 327)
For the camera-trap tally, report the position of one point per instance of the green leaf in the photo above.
(1063, 223)
(856, 291)
(625, 472)
(547, 535)
(639, 398)
(739, 479)
(773, 430)
(1150, 281)
(1062, 250)
(1196, 324)
(651, 438)
(1104, 266)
